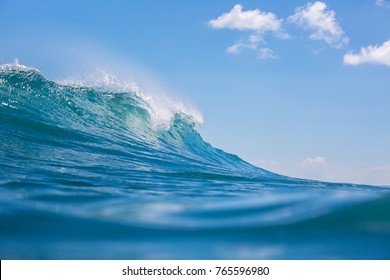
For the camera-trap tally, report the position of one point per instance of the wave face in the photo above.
(88, 172)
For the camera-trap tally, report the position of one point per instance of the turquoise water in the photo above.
(93, 173)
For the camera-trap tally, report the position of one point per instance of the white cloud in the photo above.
(322, 23)
(266, 53)
(383, 3)
(371, 54)
(254, 20)
(235, 48)
(315, 17)
(314, 162)
(262, 53)
(241, 45)
(255, 38)
(252, 43)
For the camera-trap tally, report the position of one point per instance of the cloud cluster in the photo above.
(255, 21)
(247, 20)
(371, 54)
(319, 20)
(316, 18)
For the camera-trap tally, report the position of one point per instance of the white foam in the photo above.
(15, 66)
(8, 105)
(161, 107)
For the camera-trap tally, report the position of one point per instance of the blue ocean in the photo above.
(93, 172)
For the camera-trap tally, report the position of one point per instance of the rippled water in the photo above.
(97, 173)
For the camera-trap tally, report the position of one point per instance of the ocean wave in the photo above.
(101, 162)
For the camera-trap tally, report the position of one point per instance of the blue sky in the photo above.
(300, 88)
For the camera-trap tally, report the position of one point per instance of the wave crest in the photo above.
(156, 132)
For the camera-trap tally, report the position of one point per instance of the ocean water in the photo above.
(89, 172)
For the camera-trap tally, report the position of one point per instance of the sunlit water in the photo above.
(100, 174)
